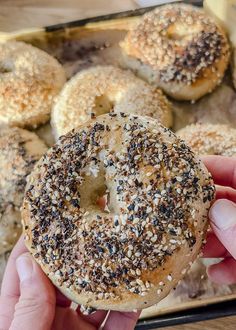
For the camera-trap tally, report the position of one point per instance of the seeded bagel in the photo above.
(19, 151)
(210, 139)
(179, 49)
(29, 80)
(104, 89)
(134, 251)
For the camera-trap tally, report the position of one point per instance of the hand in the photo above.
(221, 242)
(29, 301)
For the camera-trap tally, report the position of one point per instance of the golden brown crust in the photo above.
(104, 89)
(210, 139)
(132, 253)
(29, 80)
(19, 151)
(179, 49)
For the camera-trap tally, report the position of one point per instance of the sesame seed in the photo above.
(138, 272)
(169, 278)
(154, 238)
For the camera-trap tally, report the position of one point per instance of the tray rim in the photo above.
(117, 15)
(87, 22)
(203, 313)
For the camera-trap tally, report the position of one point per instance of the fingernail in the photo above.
(24, 266)
(223, 214)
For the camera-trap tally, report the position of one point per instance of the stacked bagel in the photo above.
(29, 81)
(114, 143)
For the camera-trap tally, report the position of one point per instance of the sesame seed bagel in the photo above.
(29, 81)
(104, 89)
(179, 49)
(132, 253)
(210, 139)
(19, 150)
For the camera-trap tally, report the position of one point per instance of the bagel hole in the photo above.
(182, 31)
(94, 193)
(103, 105)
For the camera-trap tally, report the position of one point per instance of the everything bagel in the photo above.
(130, 254)
(179, 49)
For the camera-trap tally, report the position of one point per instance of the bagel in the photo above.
(19, 150)
(29, 81)
(132, 253)
(179, 49)
(102, 89)
(210, 139)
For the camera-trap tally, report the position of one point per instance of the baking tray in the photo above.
(197, 310)
(208, 312)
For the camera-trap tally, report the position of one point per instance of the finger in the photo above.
(226, 193)
(10, 290)
(95, 319)
(121, 320)
(10, 279)
(214, 248)
(36, 306)
(223, 169)
(67, 318)
(224, 272)
(61, 300)
(102, 202)
(223, 222)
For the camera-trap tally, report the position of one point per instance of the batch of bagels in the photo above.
(116, 211)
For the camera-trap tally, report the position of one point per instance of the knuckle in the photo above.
(35, 297)
(41, 304)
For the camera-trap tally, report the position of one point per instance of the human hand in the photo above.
(29, 301)
(221, 241)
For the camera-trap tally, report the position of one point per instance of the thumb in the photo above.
(223, 221)
(36, 306)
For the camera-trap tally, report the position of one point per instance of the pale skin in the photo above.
(29, 300)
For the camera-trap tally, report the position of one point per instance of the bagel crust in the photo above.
(132, 253)
(29, 80)
(179, 49)
(19, 151)
(104, 89)
(210, 139)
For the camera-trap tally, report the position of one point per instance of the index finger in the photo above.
(121, 320)
(10, 290)
(10, 280)
(222, 169)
